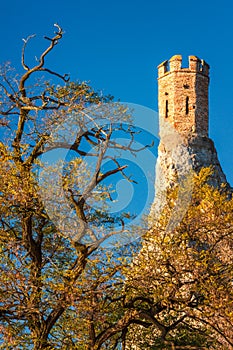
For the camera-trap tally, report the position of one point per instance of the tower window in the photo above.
(166, 109)
(187, 105)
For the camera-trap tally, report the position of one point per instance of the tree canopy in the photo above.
(182, 278)
(54, 215)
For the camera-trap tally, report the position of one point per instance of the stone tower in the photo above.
(183, 95)
(185, 146)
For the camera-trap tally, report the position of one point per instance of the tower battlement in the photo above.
(175, 64)
(184, 117)
(183, 95)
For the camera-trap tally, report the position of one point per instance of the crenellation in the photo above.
(194, 63)
(184, 118)
(205, 68)
(183, 95)
(163, 68)
(175, 64)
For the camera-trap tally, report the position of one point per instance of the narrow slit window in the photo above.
(187, 105)
(166, 109)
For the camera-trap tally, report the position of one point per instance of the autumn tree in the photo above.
(181, 281)
(58, 285)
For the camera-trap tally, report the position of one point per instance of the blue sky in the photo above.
(116, 45)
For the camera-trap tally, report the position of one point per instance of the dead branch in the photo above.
(53, 41)
(25, 42)
(64, 77)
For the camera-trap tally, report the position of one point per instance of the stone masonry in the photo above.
(183, 95)
(185, 146)
(183, 111)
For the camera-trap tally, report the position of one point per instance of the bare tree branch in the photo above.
(25, 42)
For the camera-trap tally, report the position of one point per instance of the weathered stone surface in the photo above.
(183, 113)
(184, 147)
(183, 95)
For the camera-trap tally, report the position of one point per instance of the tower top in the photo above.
(183, 95)
(184, 118)
(175, 64)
